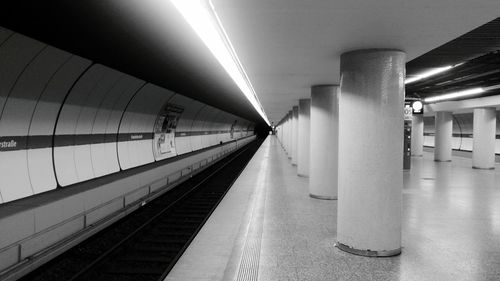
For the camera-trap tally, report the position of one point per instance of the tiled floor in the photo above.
(268, 228)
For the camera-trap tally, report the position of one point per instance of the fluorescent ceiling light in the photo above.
(454, 95)
(201, 16)
(428, 74)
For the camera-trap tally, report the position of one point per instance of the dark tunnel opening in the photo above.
(262, 130)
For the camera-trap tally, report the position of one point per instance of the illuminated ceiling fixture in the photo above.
(430, 73)
(201, 16)
(455, 95)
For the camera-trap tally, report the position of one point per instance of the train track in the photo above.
(146, 244)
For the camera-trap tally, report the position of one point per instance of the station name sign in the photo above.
(8, 145)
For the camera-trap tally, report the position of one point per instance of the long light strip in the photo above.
(428, 74)
(201, 16)
(465, 93)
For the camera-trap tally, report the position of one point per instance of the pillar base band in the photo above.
(368, 253)
(479, 168)
(303, 176)
(436, 160)
(323, 197)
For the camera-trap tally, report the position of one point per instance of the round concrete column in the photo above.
(417, 135)
(304, 138)
(288, 134)
(295, 133)
(324, 142)
(285, 134)
(279, 133)
(371, 152)
(443, 136)
(483, 150)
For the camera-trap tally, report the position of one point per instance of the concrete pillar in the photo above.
(282, 128)
(281, 134)
(289, 133)
(323, 175)
(304, 138)
(371, 152)
(483, 150)
(443, 136)
(285, 134)
(278, 132)
(417, 135)
(295, 133)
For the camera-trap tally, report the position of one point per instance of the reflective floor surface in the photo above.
(268, 228)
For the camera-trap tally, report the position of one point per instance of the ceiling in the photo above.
(478, 51)
(483, 71)
(288, 45)
(145, 38)
(285, 45)
(475, 43)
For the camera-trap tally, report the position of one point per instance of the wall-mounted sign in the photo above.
(418, 107)
(408, 113)
(8, 145)
(165, 125)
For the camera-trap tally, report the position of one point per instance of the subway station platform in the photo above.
(268, 228)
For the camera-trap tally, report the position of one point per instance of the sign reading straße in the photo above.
(8, 145)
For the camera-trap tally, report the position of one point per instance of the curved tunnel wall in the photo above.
(65, 120)
(462, 132)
